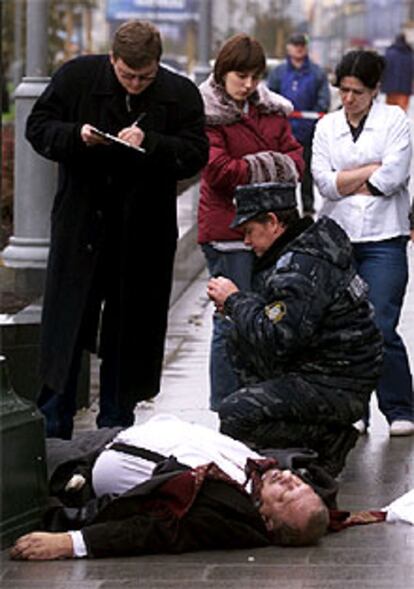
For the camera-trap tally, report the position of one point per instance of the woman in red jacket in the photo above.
(250, 141)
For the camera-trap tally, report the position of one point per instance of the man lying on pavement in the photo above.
(207, 491)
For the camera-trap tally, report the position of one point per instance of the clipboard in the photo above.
(114, 139)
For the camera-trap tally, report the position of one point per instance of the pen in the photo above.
(139, 119)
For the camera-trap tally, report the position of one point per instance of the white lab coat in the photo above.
(386, 138)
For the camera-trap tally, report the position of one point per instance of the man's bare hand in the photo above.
(91, 138)
(42, 546)
(218, 289)
(133, 135)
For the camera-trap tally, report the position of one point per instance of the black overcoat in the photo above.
(114, 209)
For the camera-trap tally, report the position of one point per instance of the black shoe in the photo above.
(337, 445)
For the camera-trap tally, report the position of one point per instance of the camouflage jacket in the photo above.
(308, 313)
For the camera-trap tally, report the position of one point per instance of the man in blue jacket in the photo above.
(306, 85)
(397, 82)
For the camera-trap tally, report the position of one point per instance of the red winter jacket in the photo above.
(244, 149)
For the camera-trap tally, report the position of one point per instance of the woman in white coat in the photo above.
(361, 165)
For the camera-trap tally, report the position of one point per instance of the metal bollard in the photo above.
(23, 482)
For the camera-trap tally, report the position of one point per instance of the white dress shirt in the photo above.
(191, 444)
(385, 139)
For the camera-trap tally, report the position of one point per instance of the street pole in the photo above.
(35, 177)
(18, 20)
(36, 44)
(202, 69)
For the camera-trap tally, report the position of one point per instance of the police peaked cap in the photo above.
(254, 199)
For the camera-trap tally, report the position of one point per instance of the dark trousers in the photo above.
(59, 409)
(289, 412)
(306, 189)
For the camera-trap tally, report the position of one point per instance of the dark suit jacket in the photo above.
(219, 515)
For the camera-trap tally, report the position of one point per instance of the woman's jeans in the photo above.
(383, 265)
(237, 266)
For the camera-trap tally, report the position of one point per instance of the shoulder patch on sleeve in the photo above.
(275, 311)
(357, 288)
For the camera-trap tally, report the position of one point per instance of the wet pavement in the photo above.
(379, 469)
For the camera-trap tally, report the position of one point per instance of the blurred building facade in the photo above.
(270, 20)
(338, 25)
(334, 26)
(86, 26)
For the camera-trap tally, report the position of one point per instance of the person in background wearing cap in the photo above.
(306, 85)
(250, 141)
(304, 340)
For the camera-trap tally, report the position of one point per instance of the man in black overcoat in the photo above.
(114, 226)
